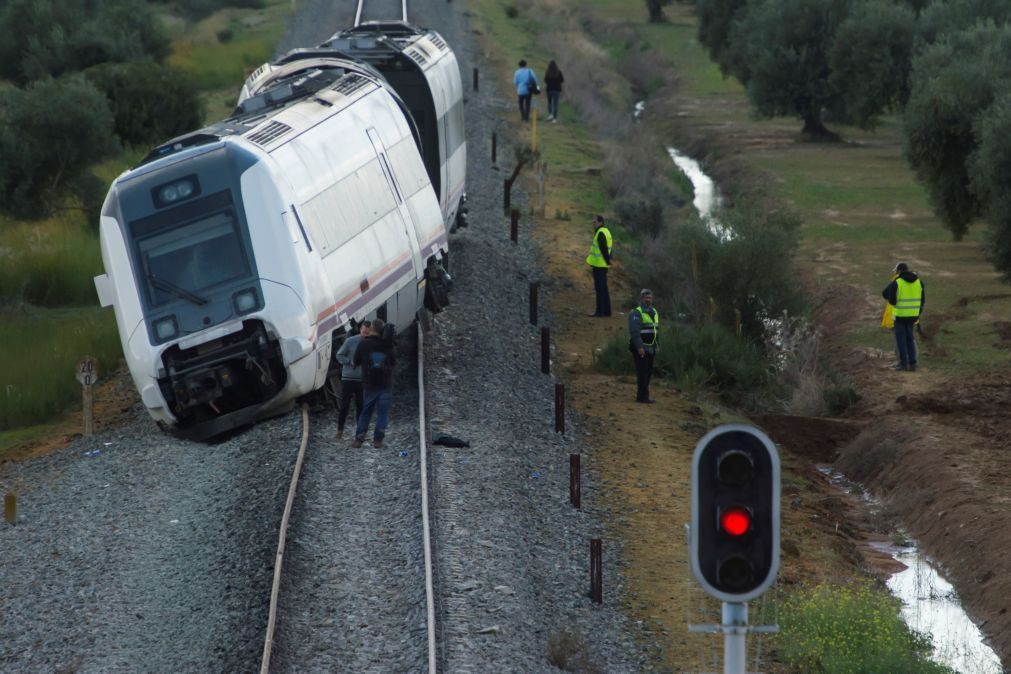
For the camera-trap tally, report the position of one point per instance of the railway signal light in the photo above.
(734, 536)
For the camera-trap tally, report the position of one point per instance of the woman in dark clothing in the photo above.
(553, 79)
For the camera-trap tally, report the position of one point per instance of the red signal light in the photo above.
(736, 521)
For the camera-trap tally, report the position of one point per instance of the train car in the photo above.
(425, 73)
(236, 255)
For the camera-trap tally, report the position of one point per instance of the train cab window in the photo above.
(183, 261)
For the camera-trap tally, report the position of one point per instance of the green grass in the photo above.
(41, 348)
(49, 263)
(218, 65)
(837, 630)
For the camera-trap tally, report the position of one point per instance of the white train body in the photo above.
(236, 255)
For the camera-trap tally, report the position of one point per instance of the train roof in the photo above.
(321, 77)
(378, 41)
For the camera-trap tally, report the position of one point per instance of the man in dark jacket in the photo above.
(643, 335)
(907, 297)
(376, 358)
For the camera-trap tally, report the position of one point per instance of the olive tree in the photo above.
(716, 17)
(783, 52)
(990, 174)
(150, 102)
(871, 59)
(954, 81)
(50, 133)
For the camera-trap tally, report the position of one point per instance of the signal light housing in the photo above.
(734, 535)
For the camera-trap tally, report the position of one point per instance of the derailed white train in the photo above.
(236, 256)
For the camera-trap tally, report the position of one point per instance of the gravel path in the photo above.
(138, 552)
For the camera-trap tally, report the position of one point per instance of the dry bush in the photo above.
(872, 452)
(567, 651)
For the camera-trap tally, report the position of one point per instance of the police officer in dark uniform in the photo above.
(644, 333)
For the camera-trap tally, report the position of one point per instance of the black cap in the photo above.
(901, 267)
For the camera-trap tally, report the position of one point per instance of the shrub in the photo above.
(150, 103)
(640, 215)
(851, 629)
(51, 131)
(699, 359)
(47, 38)
(511, 11)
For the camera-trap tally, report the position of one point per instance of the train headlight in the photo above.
(166, 328)
(245, 301)
(178, 190)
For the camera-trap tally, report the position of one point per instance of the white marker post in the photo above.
(87, 374)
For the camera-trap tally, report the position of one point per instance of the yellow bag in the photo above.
(887, 320)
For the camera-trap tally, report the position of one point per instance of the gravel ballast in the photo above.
(135, 551)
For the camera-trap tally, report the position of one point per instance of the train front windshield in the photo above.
(187, 257)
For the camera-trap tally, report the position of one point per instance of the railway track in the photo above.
(380, 10)
(345, 581)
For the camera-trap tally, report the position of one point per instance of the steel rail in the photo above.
(268, 642)
(425, 525)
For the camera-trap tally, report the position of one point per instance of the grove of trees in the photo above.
(79, 81)
(941, 64)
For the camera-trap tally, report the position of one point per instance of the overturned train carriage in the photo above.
(237, 255)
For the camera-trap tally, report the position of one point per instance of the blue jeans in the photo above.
(553, 103)
(905, 341)
(381, 398)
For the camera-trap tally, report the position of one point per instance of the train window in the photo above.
(410, 170)
(181, 262)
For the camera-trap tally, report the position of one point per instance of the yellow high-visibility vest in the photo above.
(908, 299)
(596, 257)
(650, 328)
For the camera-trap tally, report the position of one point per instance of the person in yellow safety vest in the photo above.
(907, 297)
(599, 260)
(644, 334)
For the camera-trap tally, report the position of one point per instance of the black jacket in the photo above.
(891, 293)
(604, 250)
(554, 83)
(376, 358)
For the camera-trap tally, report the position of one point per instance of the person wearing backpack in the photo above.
(526, 87)
(376, 358)
(351, 377)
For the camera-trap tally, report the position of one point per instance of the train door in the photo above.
(406, 298)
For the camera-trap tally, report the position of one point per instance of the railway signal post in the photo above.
(734, 531)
